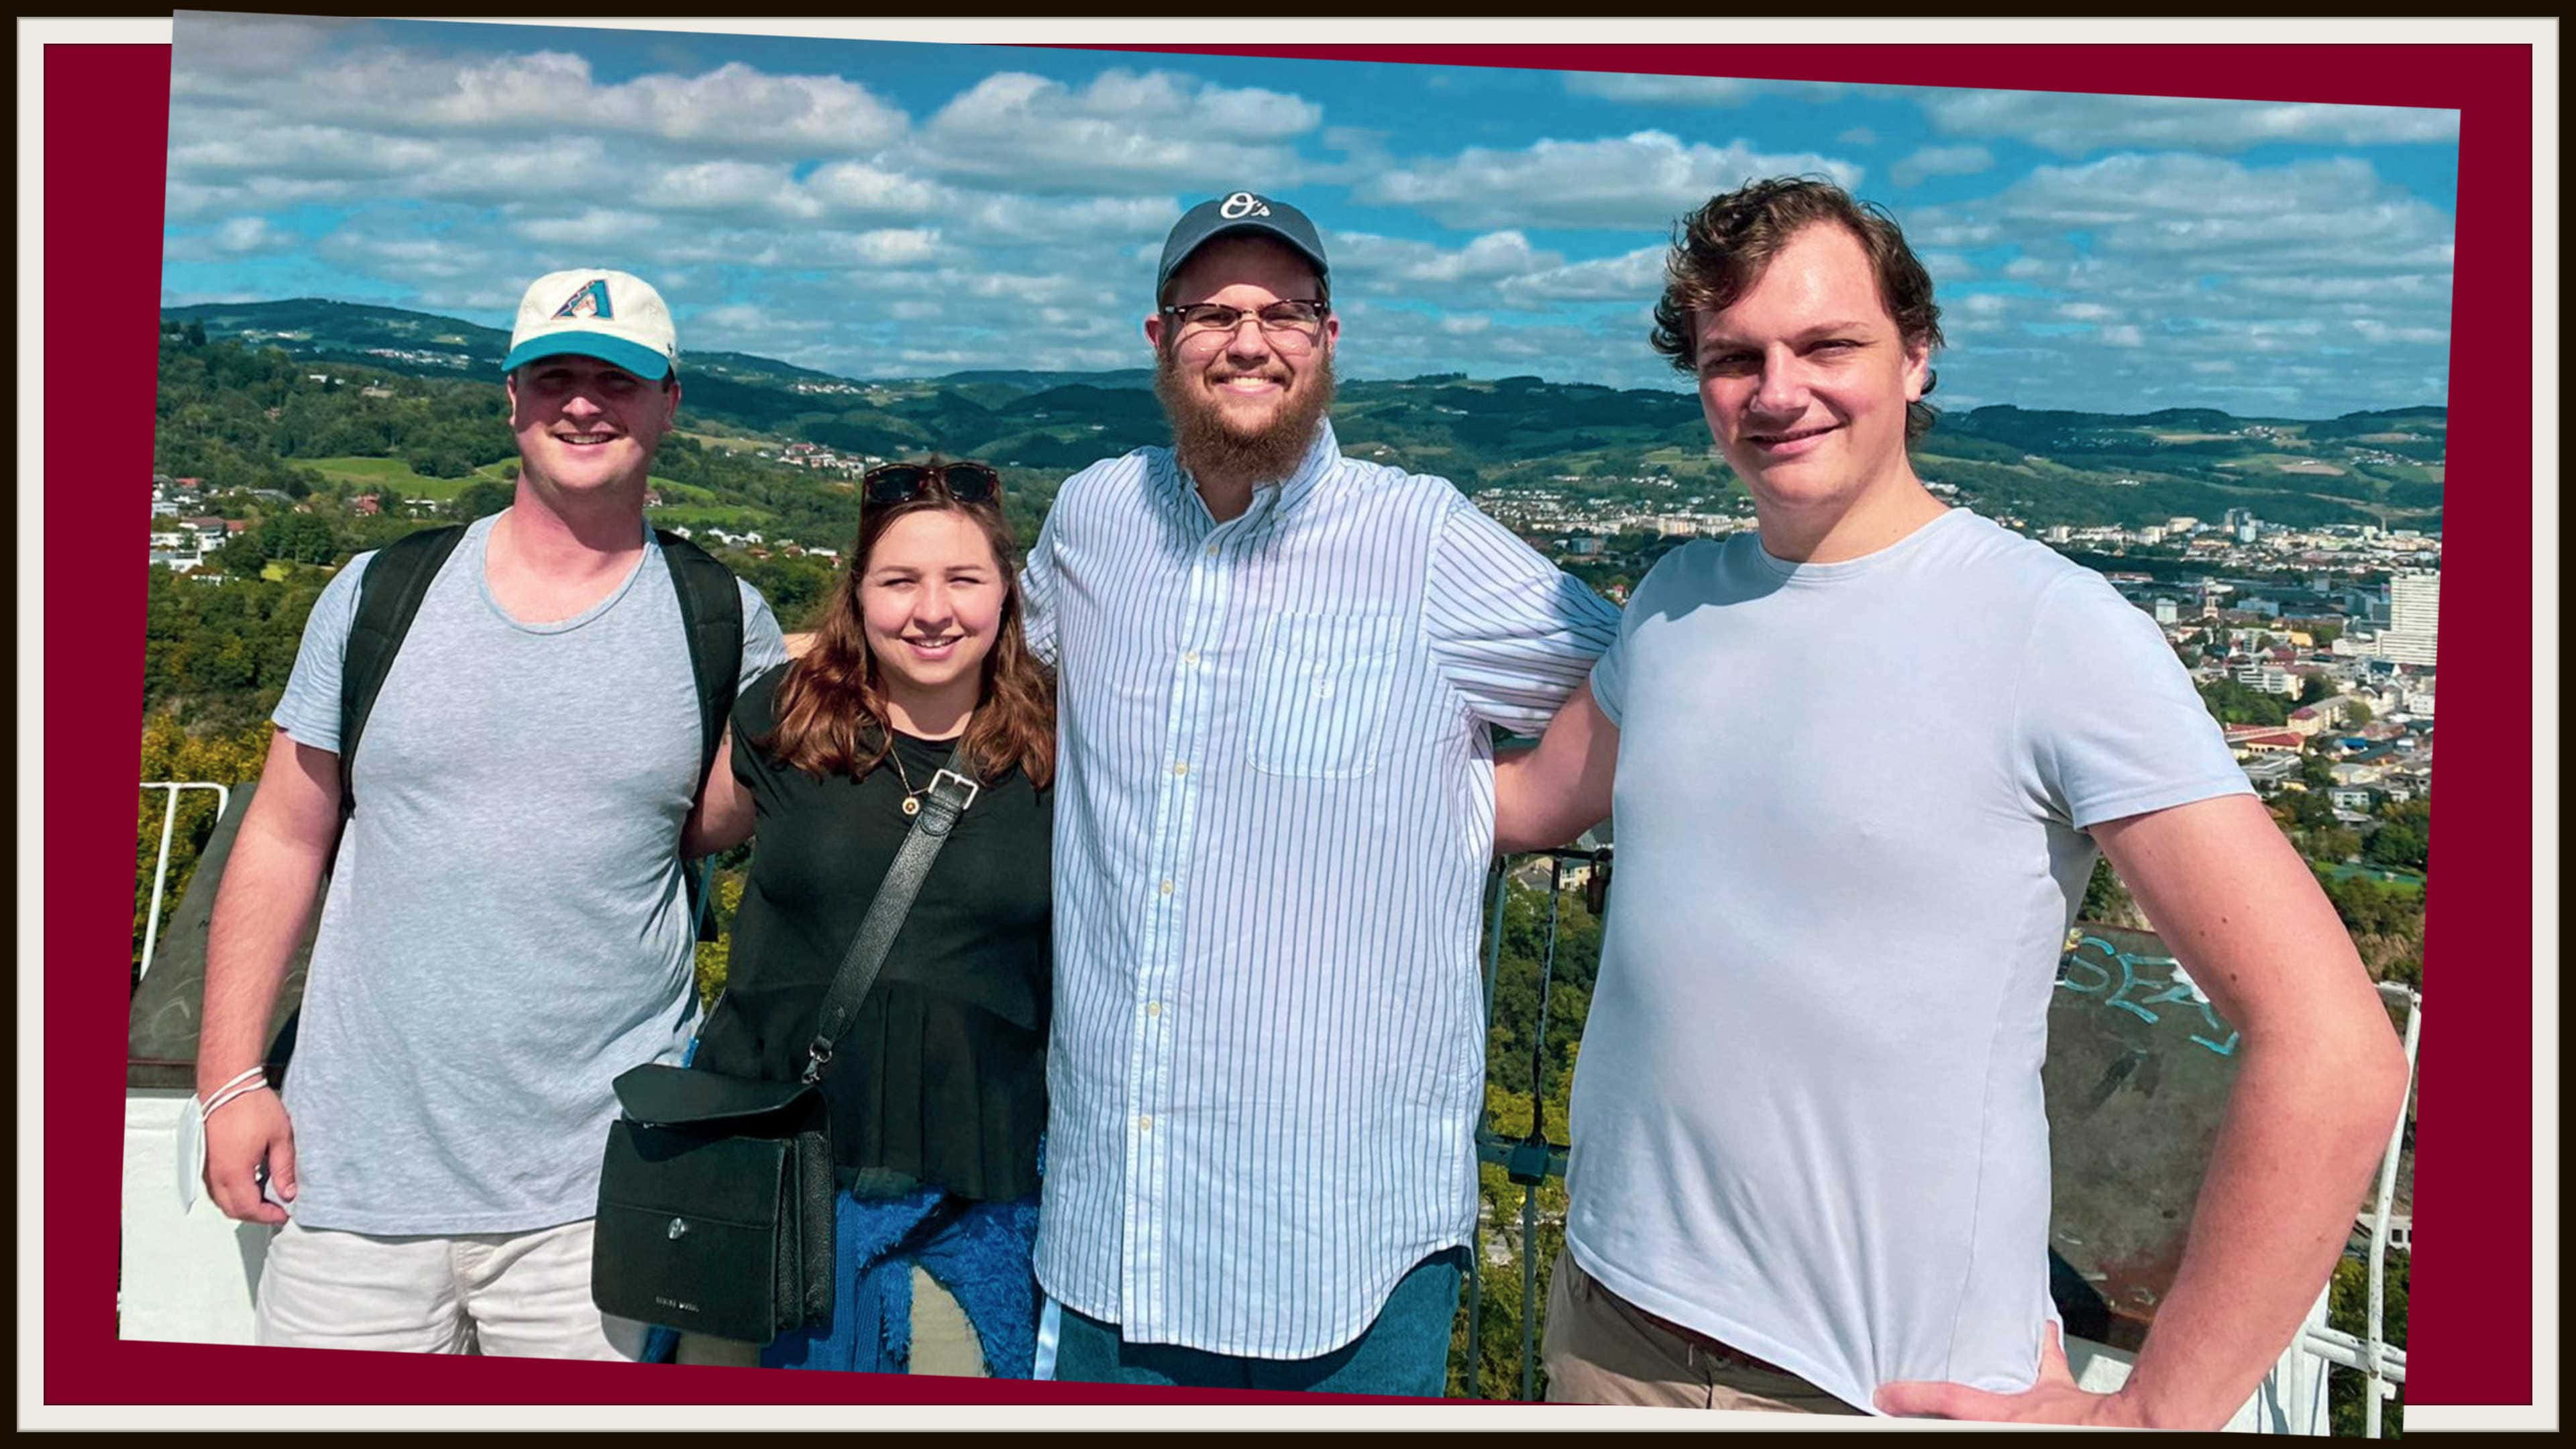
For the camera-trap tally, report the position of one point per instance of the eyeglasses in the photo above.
(1290, 326)
(904, 482)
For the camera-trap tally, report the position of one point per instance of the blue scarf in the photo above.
(979, 1251)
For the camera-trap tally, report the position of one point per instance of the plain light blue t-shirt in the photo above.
(506, 928)
(1851, 801)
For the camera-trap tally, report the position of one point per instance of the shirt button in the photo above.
(1144, 1124)
(1190, 658)
(1153, 1008)
(1166, 887)
(1211, 550)
(1180, 768)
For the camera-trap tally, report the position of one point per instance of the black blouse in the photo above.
(942, 1075)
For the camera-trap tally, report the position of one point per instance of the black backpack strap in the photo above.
(389, 596)
(711, 616)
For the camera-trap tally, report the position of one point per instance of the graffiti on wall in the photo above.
(2146, 986)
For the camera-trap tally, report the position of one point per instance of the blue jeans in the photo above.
(1405, 1351)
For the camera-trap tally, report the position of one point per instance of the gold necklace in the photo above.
(911, 796)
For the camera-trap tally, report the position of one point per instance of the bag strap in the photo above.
(389, 596)
(943, 802)
(711, 616)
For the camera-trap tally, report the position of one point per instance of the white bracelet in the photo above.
(241, 1086)
(259, 1071)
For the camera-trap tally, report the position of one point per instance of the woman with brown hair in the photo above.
(937, 1091)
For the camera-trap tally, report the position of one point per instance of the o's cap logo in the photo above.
(1243, 204)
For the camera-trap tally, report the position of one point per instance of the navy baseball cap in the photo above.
(1240, 211)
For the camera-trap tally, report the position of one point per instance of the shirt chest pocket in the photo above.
(1321, 684)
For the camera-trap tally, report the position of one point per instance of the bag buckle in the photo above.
(963, 783)
(817, 1057)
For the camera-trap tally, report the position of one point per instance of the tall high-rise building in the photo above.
(2414, 614)
(2415, 601)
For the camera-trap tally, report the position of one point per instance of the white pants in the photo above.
(517, 1295)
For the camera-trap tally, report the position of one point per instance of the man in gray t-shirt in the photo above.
(506, 929)
(1862, 759)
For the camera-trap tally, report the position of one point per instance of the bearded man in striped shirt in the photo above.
(1277, 669)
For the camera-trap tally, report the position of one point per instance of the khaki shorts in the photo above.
(1601, 1349)
(523, 1295)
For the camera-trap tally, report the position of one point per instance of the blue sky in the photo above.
(884, 209)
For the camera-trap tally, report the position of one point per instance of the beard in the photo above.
(1208, 446)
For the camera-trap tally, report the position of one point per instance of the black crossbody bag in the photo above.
(716, 1193)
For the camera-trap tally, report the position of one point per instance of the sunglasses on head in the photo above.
(904, 482)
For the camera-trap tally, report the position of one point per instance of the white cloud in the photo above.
(422, 258)
(2076, 125)
(1155, 131)
(2298, 289)
(1641, 180)
(1389, 264)
(2305, 219)
(1636, 275)
(1017, 224)
(890, 246)
(244, 234)
(186, 200)
(1941, 161)
(249, 45)
(1054, 221)
(865, 187)
(750, 317)
(735, 106)
(298, 150)
(1688, 90)
(724, 186)
(594, 227)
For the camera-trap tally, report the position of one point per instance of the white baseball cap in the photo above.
(595, 312)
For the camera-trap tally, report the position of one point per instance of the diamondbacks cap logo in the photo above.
(1243, 204)
(590, 301)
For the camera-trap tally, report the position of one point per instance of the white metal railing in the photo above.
(2378, 1382)
(2381, 1365)
(161, 867)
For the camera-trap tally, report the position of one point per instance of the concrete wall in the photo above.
(182, 1277)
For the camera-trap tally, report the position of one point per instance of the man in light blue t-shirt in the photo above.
(506, 929)
(1861, 762)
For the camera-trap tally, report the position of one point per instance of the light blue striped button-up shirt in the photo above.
(1273, 815)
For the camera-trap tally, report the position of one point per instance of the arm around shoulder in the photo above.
(724, 814)
(1550, 794)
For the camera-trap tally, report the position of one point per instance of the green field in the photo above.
(393, 473)
(2404, 880)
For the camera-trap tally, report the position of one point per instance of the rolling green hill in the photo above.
(2047, 465)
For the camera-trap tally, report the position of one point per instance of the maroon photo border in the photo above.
(105, 149)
